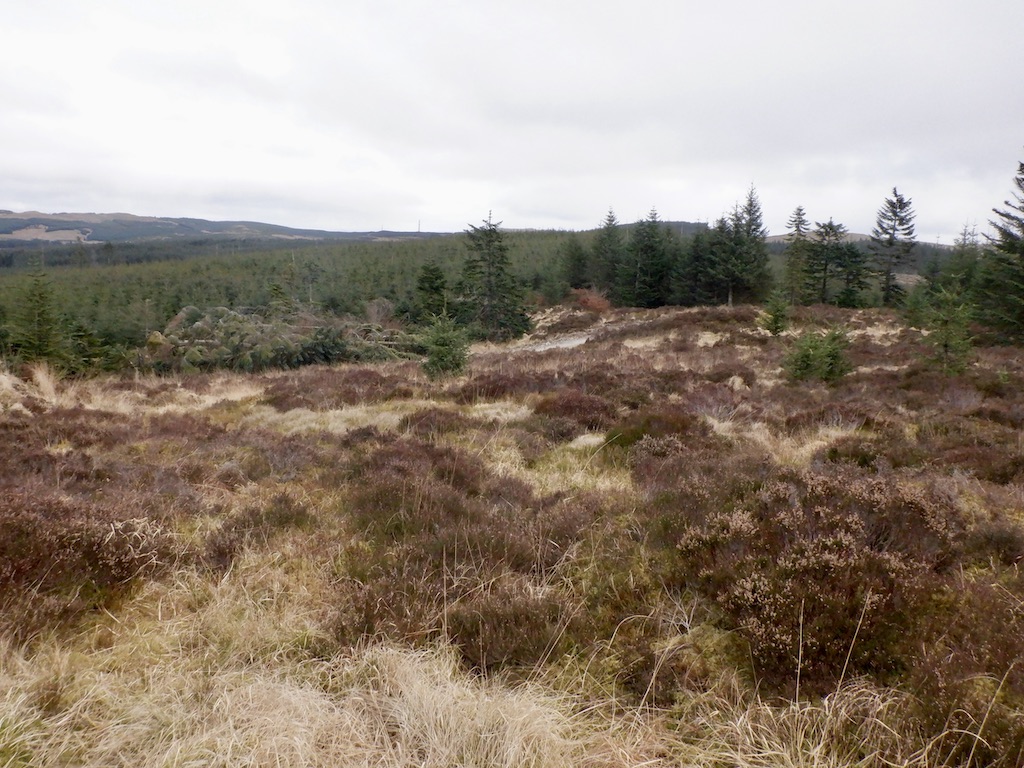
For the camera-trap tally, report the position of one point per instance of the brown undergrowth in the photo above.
(646, 547)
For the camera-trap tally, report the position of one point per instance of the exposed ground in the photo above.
(628, 540)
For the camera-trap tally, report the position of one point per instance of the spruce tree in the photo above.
(740, 252)
(575, 263)
(892, 241)
(608, 250)
(643, 275)
(797, 246)
(823, 257)
(693, 277)
(36, 328)
(1000, 291)
(492, 299)
(431, 291)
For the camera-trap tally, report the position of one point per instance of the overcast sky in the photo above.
(370, 114)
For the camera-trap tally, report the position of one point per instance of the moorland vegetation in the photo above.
(744, 534)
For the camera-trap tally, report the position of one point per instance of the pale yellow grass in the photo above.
(46, 385)
(384, 416)
(220, 674)
(787, 450)
(573, 468)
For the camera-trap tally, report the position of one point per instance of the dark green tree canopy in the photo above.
(892, 241)
(608, 251)
(643, 273)
(1000, 290)
(431, 291)
(798, 245)
(492, 299)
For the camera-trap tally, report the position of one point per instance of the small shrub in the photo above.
(432, 422)
(819, 356)
(254, 525)
(948, 321)
(589, 411)
(659, 421)
(508, 623)
(447, 348)
(813, 560)
(776, 314)
(60, 558)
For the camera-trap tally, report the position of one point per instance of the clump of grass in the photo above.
(255, 525)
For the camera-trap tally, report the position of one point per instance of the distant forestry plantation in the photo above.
(654, 495)
(188, 295)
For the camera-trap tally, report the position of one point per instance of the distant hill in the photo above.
(32, 226)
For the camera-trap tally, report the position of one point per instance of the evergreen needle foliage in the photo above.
(447, 348)
(776, 317)
(820, 356)
(948, 321)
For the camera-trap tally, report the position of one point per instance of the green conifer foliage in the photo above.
(1000, 290)
(492, 299)
(892, 241)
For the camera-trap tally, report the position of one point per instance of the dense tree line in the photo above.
(98, 311)
(649, 265)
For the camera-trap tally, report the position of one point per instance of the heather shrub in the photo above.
(499, 385)
(320, 388)
(591, 412)
(725, 372)
(431, 423)
(883, 448)
(828, 570)
(659, 421)
(60, 558)
(510, 621)
(968, 684)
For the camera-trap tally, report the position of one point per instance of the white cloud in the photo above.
(363, 114)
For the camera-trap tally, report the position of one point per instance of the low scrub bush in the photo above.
(828, 573)
(659, 421)
(968, 685)
(591, 412)
(446, 347)
(323, 389)
(431, 423)
(509, 622)
(502, 385)
(819, 356)
(60, 558)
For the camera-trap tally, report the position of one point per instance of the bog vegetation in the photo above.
(655, 535)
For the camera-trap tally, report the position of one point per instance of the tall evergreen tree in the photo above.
(1000, 291)
(961, 269)
(643, 275)
(823, 258)
(852, 272)
(892, 241)
(694, 280)
(36, 328)
(607, 252)
(741, 252)
(576, 267)
(492, 299)
(431, 291)
(798, 244)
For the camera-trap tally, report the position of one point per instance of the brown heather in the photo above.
(628, 540)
